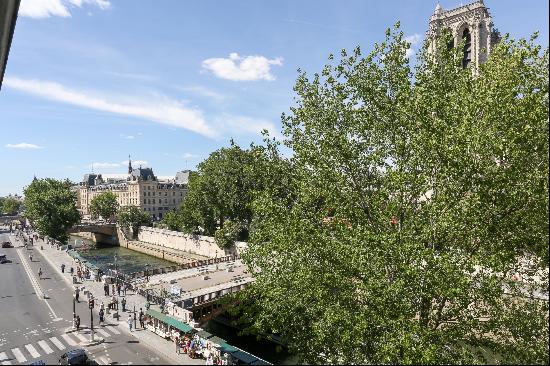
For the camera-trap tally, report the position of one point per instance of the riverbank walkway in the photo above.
(57, 257)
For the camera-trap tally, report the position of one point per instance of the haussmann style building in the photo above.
(140, 187)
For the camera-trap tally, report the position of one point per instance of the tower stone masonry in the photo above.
(473, 24)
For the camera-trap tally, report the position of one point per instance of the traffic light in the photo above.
(91, 303)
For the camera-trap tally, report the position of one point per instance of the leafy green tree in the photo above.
(50, 206)
(415, 193)
(131, 217)
(9, 206)
(223, 190)
(104, 204)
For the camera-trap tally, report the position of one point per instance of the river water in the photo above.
(129, 261)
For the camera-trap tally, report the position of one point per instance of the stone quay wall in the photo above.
(195, 244)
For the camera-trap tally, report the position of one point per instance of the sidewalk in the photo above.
(57, 257)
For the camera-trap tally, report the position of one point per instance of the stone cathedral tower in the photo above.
(471, 23)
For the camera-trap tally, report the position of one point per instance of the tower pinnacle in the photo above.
(129, 165)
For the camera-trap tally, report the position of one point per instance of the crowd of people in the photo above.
(196, 347)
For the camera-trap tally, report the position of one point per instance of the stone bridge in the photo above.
(99, 233)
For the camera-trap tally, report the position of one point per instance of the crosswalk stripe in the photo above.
(34, 353)
(112, 329)
(57, 343)
(102, 360)
(103, 333)
(69, 340)
(18, 355)
(81, 337)
(4, 359)
(45, 347)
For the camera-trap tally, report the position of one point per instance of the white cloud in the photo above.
(242, 125)
(46, 8)
(413, 40)
(242, 68)
(105, 165)
(189, 156)
(162, 110)
(135, 163)
(23, 145)
(202, 91)
(127, 137)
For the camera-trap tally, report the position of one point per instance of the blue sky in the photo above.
(91, 81)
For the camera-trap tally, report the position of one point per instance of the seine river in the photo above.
(130, 261)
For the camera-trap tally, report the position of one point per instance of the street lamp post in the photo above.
(91, 306)
(147, 272)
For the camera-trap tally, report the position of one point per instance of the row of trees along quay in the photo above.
(385, 224)
(50, 205)
(9, 206)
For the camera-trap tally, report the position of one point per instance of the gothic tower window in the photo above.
(467, 38)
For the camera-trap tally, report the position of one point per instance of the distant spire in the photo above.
(129, 165)
(34, 179)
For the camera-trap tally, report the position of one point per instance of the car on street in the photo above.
(7, 244)
(77, 356)
(4, 259)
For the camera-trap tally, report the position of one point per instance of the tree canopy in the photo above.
(50, 206)
(131, 217)
(416, 193)
(221, 192)
(104, 204)
(9, 205)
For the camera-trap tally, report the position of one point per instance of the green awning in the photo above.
(227, 348)
(204, 334)
(216, 340)
(246, 357)
(170, 321)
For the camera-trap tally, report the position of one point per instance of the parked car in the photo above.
(7, 244)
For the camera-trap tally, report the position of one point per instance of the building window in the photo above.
(467, 38)
(174, 200)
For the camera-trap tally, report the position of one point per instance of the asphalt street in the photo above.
(35, 314)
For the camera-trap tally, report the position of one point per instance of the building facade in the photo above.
(140, 188)
(471, 23)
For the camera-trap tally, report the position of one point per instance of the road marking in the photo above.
(103, 333)
(18, 355)
(112, 329)
(4, 359)
(81, 337)
(34, 353)
(45, 347)
(69, 340)
(34, 283)
(102, 361)
(57, 343)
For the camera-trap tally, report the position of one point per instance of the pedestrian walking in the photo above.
(141, 319)
(40, 273)
(130, 322)
(30, 257)
(123, 302)
(77, 322)
(118, 288)
(113, 289)
(72, 271)
(101, 315)
(106, 289)
(124, 288)
(63, 268)
(77, 294)
(177, 341)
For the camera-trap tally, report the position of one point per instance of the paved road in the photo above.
(33, 328)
